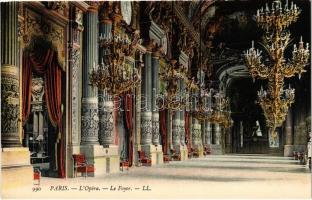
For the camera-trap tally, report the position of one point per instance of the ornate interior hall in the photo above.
(175, 99)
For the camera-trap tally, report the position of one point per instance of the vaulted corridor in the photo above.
(222, 176)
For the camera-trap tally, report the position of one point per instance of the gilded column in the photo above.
(9, 76)
(90, 118)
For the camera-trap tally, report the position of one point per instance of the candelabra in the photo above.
(276, 101)
(114, 74)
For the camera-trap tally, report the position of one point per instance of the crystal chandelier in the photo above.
(276, 101)
(114, 74)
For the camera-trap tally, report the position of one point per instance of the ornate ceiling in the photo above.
(228, 27)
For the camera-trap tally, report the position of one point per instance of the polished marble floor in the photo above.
(224, 176)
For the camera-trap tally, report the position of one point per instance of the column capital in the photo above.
(93, 6)
(150, 45)
(158, 52)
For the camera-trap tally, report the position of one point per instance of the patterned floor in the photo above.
(224, 176)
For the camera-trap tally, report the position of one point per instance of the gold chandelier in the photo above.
(221, 114)
(276, 100)
(217, 111)
(171, 76)
(114, 74)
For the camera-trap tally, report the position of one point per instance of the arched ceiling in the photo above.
(227, 29)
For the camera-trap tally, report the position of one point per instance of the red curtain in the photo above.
(128, 105)
(44, 62)
(187, 131)
(163, 129)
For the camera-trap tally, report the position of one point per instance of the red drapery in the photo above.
(163, 127)
(187, 130)
(44, 62)
(128, 105)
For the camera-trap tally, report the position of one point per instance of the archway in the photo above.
(43, 107)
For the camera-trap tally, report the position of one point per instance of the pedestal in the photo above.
(288, 150)
(154, 152)
(71, 149)
(183, 152)
(16, 168)
(105, 160)
(216, 149)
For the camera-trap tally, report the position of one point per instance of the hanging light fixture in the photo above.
(114, 74)
(276, 100)
(212, 105)
(172, 75)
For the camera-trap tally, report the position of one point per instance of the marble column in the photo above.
(208, 132)
(213, 134)
(289, 147)
(106, 103)
(182, 113)
(288, 128)
(203, 135)
(90, 117)
(16, 170)
(146, 117)
(9, 76)
(155, 94)
(196, 134)
(217, 134)
(176, 129)
(169, 124)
